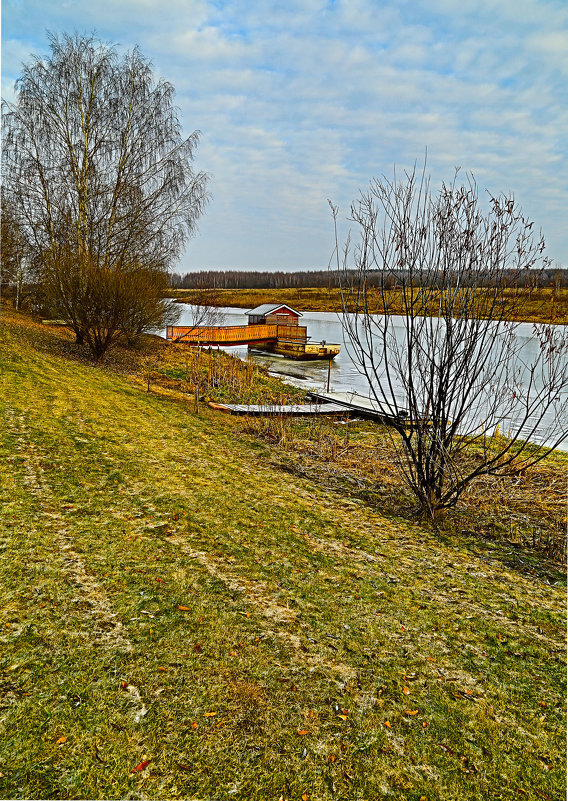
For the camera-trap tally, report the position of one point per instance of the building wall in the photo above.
(281, 317)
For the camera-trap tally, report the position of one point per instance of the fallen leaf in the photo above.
(184, 608)
(209, 714)
(304, 731)
(141, 766)
(311, 713)
(467, 695)
(424, 724)
(194, 725)
(542, 703)
(410, 711)
(332, 757)
(61, 740)
(387, 723)
(304, 797)
(163, 669)
(406, 690)
(198, 647)
(343, 717)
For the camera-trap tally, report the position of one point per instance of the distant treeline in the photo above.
(251, 279)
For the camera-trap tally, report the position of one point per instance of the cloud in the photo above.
(309, 99)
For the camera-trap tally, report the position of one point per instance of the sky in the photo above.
(304, 101)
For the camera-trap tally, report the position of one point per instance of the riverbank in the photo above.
(188, 611)
(540, 306)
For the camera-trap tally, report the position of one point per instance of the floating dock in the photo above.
(272, 328)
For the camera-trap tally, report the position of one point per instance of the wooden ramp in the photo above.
(357, 404)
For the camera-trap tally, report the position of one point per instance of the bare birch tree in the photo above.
(469, 390)
(95, 160)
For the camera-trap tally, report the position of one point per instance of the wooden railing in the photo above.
(234, 334)
(297, 333)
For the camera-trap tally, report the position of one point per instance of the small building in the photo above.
(273, 314)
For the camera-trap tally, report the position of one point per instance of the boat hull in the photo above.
(301, 351)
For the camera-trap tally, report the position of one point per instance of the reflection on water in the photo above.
(343, 373)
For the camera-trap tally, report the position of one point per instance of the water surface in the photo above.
(344, 375)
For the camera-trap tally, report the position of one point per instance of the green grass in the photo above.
(311, 620)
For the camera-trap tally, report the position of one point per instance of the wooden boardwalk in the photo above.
(234, 334)
(269, 410)
(343, 404)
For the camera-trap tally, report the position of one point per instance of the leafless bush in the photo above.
(451, 371)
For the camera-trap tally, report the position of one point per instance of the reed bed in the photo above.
(542, 305)
(214, 375)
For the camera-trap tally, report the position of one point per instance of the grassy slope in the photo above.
(343, 653)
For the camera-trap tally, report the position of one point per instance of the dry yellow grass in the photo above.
(542, 305)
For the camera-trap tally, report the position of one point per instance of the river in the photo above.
(343, 373)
